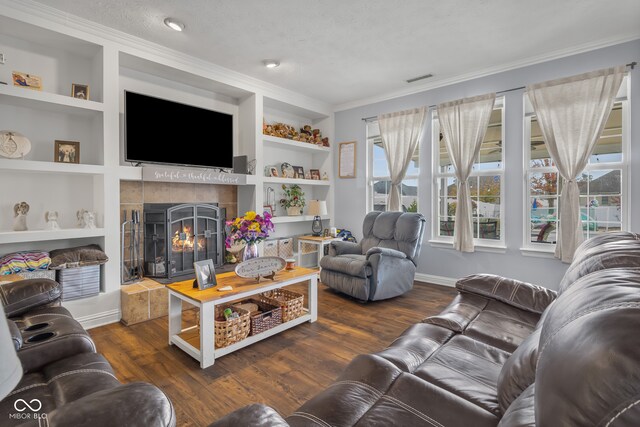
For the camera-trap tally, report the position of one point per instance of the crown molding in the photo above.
(434, 84)
(56, 20)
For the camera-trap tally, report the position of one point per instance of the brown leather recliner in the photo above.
(64, 377)
(504, 352)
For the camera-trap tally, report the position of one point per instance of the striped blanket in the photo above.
(24, 261)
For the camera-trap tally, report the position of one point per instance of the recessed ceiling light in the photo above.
(271, 63)
(173, 24)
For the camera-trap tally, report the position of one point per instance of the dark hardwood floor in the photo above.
(282, 371)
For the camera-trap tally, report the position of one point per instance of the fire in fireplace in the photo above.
(177, 235)
(184, 241)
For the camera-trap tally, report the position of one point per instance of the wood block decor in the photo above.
(143, 301)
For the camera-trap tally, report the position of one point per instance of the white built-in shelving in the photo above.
(34, 166)
(52, 102)
(291, 181)
(285, 219)
(63, 50)
(45, 235)
(289, 144)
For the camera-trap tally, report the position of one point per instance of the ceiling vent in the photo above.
(415, 79)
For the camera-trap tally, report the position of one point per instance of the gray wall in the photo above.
(350, 194)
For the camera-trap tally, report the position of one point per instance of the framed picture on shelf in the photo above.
(268, 208)
(298, 172)
(272, 171)
(287, 170)
(205, 274)
(26, 80)
(315, 174)
(79, 91)
(67, 152)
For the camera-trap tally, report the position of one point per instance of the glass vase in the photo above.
(250, 251)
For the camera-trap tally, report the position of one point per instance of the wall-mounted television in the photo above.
(166, 132)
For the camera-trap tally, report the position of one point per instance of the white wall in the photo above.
(350, 194)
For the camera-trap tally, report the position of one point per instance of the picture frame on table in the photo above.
(205, 274)
(315, 174)
(66, 151)
(79, 91)
(298, 172)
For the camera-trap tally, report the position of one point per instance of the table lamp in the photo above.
(317, 208)
(10, 368)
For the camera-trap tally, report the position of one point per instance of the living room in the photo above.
(361, 211)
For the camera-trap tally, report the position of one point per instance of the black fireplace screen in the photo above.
(175, 236)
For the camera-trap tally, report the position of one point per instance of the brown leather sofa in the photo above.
(502, 353)
(63, 374)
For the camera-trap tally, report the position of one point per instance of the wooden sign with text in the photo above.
(191, 176)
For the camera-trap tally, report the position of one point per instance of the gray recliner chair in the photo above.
(383, 264)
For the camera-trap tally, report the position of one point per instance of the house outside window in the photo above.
(378, 176)
(485, 185)
(603, 183)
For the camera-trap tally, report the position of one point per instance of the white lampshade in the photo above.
(317, 207)
(10, 368)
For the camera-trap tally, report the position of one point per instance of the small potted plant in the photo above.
(293, 199)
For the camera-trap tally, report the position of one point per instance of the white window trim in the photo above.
(371, 178)
(546, 250)
(482, 245)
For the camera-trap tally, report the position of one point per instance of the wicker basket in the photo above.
(292, 303)
(231, 331)
(270, 317)
(270, 248)
(285, 248)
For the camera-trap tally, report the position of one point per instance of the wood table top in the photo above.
(318, 238)
(239, 284)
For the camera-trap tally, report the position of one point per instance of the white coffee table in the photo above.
(201, 346)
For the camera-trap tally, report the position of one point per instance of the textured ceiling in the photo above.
(344, 50)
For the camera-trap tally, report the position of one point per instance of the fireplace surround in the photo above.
(177, 235)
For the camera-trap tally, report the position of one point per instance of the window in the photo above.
(485, 184)
(378, 174)
(602, 184)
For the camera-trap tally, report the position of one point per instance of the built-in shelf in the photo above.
(305, 147)
(36, 166)
(44, 235)
(22, 97)
(298, 218)
(130, 173)
(291, 181)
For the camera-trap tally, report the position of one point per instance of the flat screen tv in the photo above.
(167, 132)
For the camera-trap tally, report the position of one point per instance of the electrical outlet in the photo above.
(2, 58)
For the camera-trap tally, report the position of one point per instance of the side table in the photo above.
(319, 241)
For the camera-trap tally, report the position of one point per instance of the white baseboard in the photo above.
(99, 319)
(436, 280)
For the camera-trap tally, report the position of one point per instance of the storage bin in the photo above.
(291, 303)
(271, 247)
(39, 274)
(308, 248)
(81, 282)
(230, 331)
(270, 317)
(285, 248)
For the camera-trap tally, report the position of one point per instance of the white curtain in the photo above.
(463, 124)
(401, 133)
(572, 113)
